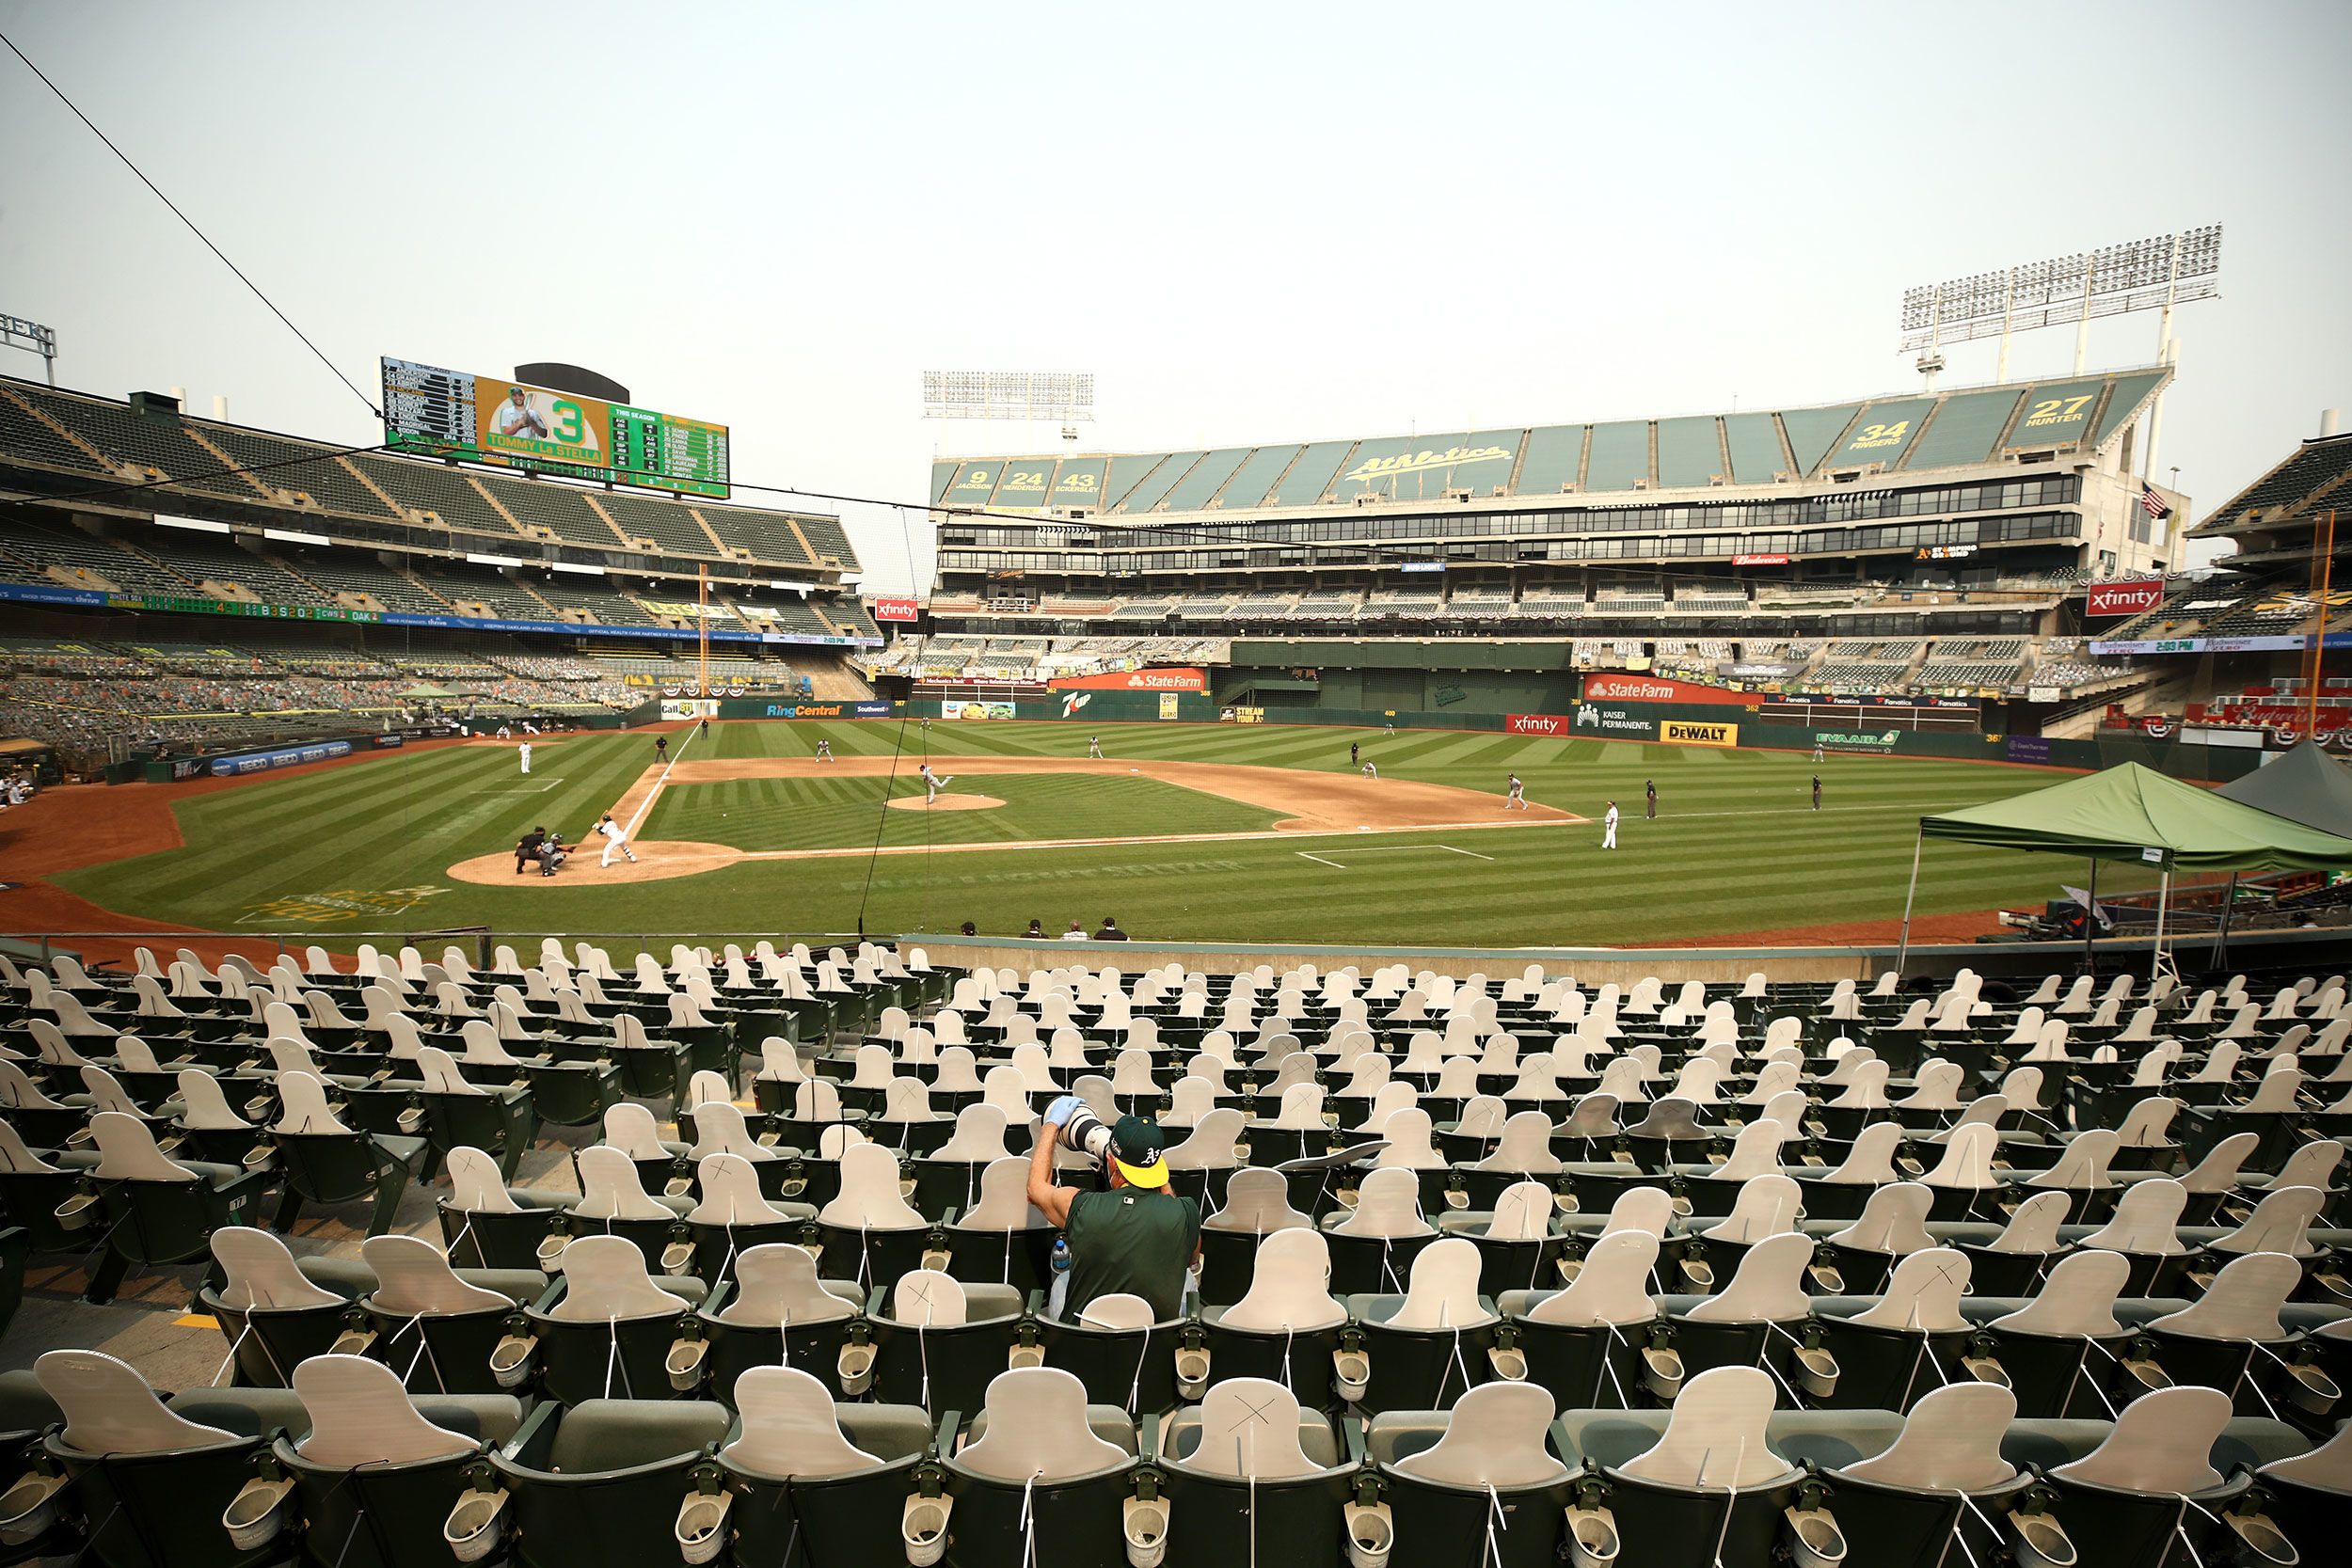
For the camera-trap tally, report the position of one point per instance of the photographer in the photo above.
(1134, 1237)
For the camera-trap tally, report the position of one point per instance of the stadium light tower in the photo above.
(1065, 398)
(16, 332)
(2136, 275)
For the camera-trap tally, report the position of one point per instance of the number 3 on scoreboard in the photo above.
(568, 422)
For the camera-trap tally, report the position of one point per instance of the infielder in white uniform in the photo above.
(824, 750)
(615, 837)
(1094, 747)
(1517, 796)
(524, 752)
(933, 783)
(1609, 828)
(1372, 771)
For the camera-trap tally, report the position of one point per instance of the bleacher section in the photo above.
(33, 549)
(39, 426)
(1866, 667)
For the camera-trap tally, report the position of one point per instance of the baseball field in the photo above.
(1203, 833)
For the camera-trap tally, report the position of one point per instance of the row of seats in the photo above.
(345, 1466)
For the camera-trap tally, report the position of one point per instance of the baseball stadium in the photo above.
(1714, 989)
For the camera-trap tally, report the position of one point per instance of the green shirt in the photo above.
(1133, 1241)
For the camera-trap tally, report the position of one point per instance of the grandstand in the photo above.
(1932, 542)
(387, 549)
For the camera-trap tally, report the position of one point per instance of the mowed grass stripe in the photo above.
(828, 814)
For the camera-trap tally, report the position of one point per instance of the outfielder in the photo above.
(1609, 828)
(933, 783)
(1517, 796)
(1094, 747)
(524, 752)
(615, 837)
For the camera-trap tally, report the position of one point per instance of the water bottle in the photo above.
(1061, 1255)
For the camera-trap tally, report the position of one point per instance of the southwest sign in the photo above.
(1677, 732)
(1135, 680)
(2136, 597)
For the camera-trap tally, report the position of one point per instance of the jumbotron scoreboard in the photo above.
(513, 424)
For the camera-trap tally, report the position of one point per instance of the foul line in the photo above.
(1393, 848)
(655, 793)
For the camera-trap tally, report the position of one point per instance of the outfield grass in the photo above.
(841, 813)
(1736, 848)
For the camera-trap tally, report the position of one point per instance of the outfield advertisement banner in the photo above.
(2136, 597)
(1658, 688)
(1536, 723)
(2028, 748)
(1134, 680)
(1679, 732)
(1849, 740)
(1612, 723)
(284, 756)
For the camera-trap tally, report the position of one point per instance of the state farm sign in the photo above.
(1657, 689)
(2136, 597)
(1136, 680)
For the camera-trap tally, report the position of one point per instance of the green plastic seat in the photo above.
(1041, 1476)
(780, 1314)
(1252, 1478)
(610, 1330)
(833, 1477)
(326, 1161)
(158, 1210)
(489, 1224)
(602, 1481)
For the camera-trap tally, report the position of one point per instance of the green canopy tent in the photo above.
(426, 691)
(2131, 813)
(2305, 785)
(2302, 784)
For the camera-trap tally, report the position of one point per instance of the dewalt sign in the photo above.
(1676, 732)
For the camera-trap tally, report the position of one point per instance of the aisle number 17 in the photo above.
(2059, 410)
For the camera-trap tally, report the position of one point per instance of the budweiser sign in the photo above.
(1759, 561)
(2136, 597)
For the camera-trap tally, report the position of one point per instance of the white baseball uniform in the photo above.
(524, 752)
(1370, 770)
(615, 837)
(933, 783)
(1094, 747)
(1517, 796)
(1608, 829)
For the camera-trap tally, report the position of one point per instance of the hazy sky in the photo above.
(1253, 223)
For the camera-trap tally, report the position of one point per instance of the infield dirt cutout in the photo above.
(1310, 804)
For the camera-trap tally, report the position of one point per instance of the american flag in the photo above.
(2154, 504)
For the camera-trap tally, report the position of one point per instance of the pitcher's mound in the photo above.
(945, 802)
